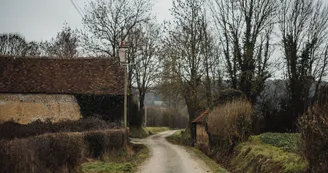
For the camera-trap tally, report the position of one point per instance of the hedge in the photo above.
(57, 152)
(12, 130)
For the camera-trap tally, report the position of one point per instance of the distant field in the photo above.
(155, 130)
(141, 132)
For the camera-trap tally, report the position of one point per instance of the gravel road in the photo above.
(168, 158)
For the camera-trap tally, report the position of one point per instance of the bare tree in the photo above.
(189, 48)
(64, 45)
(33, 49)
(16, 45)
(244, 29)
(211, 62)
(144, 43)
(12, 44)
(169, 87)
(108, 22)
(304, 30)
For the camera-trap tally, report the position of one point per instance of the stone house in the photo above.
(43, 88)
(202, 137)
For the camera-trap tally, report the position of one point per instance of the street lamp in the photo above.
(122, 55)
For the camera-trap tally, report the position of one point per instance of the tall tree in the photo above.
(169, 87)
(304, 32)
(244, 28)
(16, 45)
(211, 62)
(65, 44)
(188, 49)
(33, 49)
(144, 43)
(12, 44)
(108, 22)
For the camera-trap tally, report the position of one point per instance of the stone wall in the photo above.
(25, 108)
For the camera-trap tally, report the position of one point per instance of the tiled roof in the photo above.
(61, 76)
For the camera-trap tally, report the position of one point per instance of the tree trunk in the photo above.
(141, 109)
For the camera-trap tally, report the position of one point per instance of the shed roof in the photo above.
(61, 76)
(201, 118)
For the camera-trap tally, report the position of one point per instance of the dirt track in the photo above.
(168, 158)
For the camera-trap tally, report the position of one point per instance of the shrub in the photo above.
(138, 132)
(16, 157)
(181, 137)
(58, 152)
(100, 142)
(314, 138)
(11, 130)
(228, 125)
(48, 153)
(231, 121)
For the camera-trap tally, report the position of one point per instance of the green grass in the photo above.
(138, 132)
(181, 137)
(102, 167)
(288, 142)
(118, 162)
(257, 156)
(269, 152)
(155, 130)
(175, 138)
(209, 162)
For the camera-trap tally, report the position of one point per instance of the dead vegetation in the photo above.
(232, 121)
(57, 152)
(11, 130)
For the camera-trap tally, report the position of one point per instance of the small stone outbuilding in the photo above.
(41, 88)
(202, 137)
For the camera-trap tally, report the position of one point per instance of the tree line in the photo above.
(207, 47)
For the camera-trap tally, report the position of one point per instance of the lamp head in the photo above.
(122, 52)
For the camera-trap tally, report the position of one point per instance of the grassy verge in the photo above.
(155, 130)
(288, 142)
(182, 138)
(119, 161)
(268, 152)
(176, 138)
(209, 162)
(273, 155)
(138, 132)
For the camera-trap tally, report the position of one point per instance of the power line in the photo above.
(77, 4)
(77, 9)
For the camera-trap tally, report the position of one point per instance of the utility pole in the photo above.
(123, 61)
(125, 95)
(145, 116)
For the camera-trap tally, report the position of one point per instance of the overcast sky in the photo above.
(42, 19)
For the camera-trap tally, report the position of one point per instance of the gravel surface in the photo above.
(168, 158)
